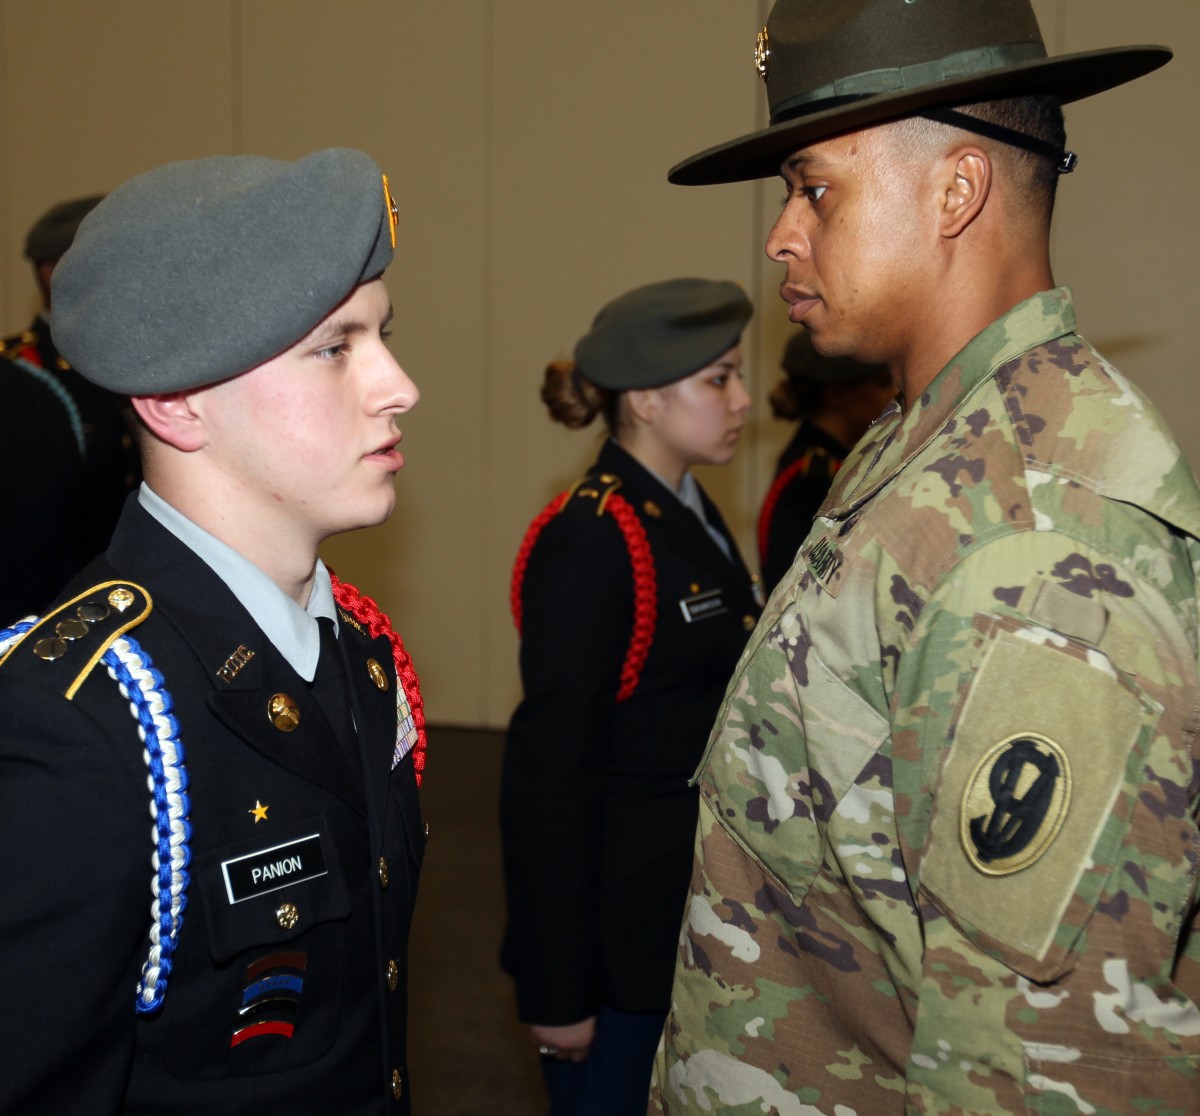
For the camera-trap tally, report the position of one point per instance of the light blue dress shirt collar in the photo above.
(688, 495)
(291, 629)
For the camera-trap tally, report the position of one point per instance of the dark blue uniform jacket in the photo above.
(305, 853)
(597, 815)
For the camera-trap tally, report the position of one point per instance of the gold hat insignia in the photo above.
(393, 212)
(762, 53)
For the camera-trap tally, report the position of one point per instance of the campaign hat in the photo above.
(833, 66)
(197, 271)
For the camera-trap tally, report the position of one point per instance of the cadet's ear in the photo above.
(968, 182)
(172, 419)
(644, 403)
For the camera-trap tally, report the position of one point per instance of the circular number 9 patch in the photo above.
(1015, 803)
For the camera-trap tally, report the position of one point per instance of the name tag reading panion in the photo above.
(279, 866)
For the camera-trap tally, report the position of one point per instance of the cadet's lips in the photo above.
(387, 454)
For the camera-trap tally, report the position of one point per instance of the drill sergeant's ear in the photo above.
(966, 184)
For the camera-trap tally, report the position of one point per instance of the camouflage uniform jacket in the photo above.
(947, 851)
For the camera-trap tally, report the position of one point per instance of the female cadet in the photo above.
(835, 400)
(634, 605)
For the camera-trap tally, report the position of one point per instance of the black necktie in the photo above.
(332, 691)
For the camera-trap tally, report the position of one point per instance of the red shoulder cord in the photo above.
(645, 582)
(797, 468)
(27, 350)
(373, 618)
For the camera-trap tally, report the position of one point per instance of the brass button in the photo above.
(50, 648)
(652, 509)
(748, 622)
(287, 916)
(383, 873)
(397, 1085)
(377, 674)
(92, 612)
(120, 599)
(427, 833)
(393, 976)
(283, 712)
(70, 629)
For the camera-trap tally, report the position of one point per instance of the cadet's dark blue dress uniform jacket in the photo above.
(75, 867)
(597, 816)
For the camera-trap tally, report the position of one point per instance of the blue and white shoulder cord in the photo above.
(151, 706)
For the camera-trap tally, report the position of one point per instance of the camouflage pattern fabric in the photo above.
(947, 852)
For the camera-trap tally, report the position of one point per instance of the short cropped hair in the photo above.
(1033, 176)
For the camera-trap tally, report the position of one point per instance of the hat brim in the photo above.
(1069, 77)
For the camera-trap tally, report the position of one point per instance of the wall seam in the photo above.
(759, 470)
(485, 303)
(237, 74)
(1056, 48)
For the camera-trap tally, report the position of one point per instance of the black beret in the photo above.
(197, 271)
(802, 362)
(53, 231)
(659, 333)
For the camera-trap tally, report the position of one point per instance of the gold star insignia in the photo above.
(259, 811)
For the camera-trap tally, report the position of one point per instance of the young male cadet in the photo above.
(232, 939)
(947, 852)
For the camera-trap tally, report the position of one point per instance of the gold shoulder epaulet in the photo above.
(74, 637)
(598, 488)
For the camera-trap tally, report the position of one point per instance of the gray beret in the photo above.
(659, 333)
(53, 231)
(197, 271)
(802, 362)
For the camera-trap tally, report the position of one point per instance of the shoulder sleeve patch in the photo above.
(1028, 800)
(73, 638)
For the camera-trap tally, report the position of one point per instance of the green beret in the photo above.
(802, 362)
(659, 333)
(197, 271)
(53, 231)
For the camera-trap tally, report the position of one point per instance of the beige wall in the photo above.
(528, 142)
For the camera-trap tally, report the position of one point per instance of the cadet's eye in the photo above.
(814, 193)
(332, 352)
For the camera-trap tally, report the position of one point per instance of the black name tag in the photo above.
(279, 866)
(703, 605)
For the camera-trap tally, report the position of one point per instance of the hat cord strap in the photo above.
(1064, 161)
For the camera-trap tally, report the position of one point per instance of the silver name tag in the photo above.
(270, 869)
(703, 605)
